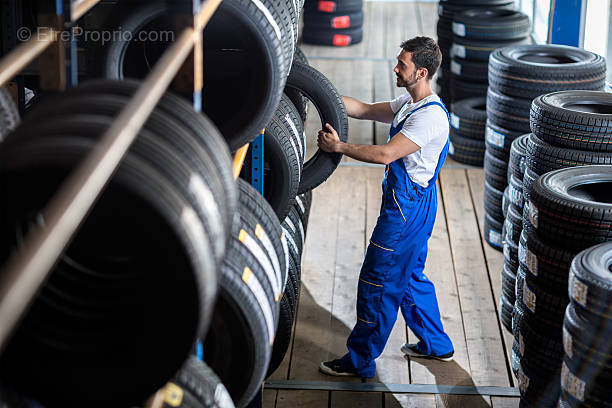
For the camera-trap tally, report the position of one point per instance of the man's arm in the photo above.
(378, 111)
(399, 146)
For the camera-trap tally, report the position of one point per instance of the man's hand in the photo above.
(328, 141)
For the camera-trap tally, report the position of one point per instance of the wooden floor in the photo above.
(465, 270)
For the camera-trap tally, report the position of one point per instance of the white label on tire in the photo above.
(458, 51)
(264, 261)
(516, 196)
(522, 164)
(459, 29)
(567, 343)
(455, 120)
(572, 384)
(257, 290)
(494, 137)
(528, 259)
(455, 67)
(269, 17)
(451, 148)
(523, 380)
(529, 298)
(533, 215)
(578, 290)
(509, 230)
(295, 132)
(495, 237)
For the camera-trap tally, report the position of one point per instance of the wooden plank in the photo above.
(463, 401)
(269, 398)
(409, 401)
(485, 351)
(302, 399)
(494, 258)
(343, 399)
(504, 402)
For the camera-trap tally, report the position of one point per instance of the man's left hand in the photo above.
(329, 141)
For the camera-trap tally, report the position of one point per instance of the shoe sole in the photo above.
(411, 353)
(328, 371)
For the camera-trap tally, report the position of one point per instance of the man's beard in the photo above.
(406, 84)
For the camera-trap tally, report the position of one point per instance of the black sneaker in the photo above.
(411, 350)
(334, 367)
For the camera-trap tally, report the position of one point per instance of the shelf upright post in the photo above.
(566, 22)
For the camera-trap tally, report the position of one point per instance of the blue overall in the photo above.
(392, 273)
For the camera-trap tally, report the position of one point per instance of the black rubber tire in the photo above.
(196, 386)
(493, 199)
(326, 99)
(590, 283)
(9, 115)
(293, 226)
(510, 251)
(516, 192)
(491, 24)
(528, 179)
(528, 71)
(333, 21)
(469, 117)
(475, 71)
(466, 150)
(499, 140)
(44, 366)
(302, 204)
(333, 6)
(508, 112)
(298, 100)
(513, 224)
(505, 203)
(478, 50)
(337, 38)
(237, 24)
(518, 161)
(574, 119)
(294, 123)
(572, 207)
(493, 232)
(580, 389)
(238, 345)
(284, 330)
(495, 171)
(508, 284)
(582, 338)
(463, 89)
(506, 307)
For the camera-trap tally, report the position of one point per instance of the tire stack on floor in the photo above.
(569, 210)
(444, 29)
(512, 206)
(9, 115)
(517, 74)
(586, 372)
(478, 32)
(468, 120)
(337, 23)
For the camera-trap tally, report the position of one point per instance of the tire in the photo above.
(469, 117)
(513, 224)
(296, 234)
(499, 140)
(238, 345)
(572, 207)
(508, 112)
(463, 89)
(493, 232)
(582, 338)
(150, 219)
(517, 161)
(235, 24)
(505, 312)
(298, 100)
(285, 326)
(337, 38)
(495, 171)
(478, 50)
(505, 203)
(475, 71)
(9, 115)
(543, 306)
(579, 120)
(321, 92)
(302, 205)
(493, 202)
(333, 21)
(528, 179)
(196, 386)
(508, 284)
(491, 24)
(590, 285)
(466, 150)
(510, 251)
(528, 71)
(331, 6)
(294, 123)
(516, 193)
(581, 390)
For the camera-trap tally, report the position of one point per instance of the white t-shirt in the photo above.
(428, 128)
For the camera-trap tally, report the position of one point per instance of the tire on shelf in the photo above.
(337, 38)
(491, 24)
(508, 112)
(466, 150)
(469, 117)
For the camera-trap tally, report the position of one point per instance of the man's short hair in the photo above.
(425, 53)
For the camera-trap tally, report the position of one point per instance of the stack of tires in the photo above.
(468, 120)
(517, 74)
(9, 115)
(444, 29)
(587, 364)
(512, 206)
(476, 33)
(569, 210)
(333, 22)
(148, 252)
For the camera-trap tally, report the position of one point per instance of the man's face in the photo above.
(405, 70)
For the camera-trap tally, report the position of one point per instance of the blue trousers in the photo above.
(392, 278)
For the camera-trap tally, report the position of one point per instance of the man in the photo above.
(392, 273)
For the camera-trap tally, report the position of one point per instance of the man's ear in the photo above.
(423, 72)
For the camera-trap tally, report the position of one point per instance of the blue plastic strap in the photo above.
(257, 160)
